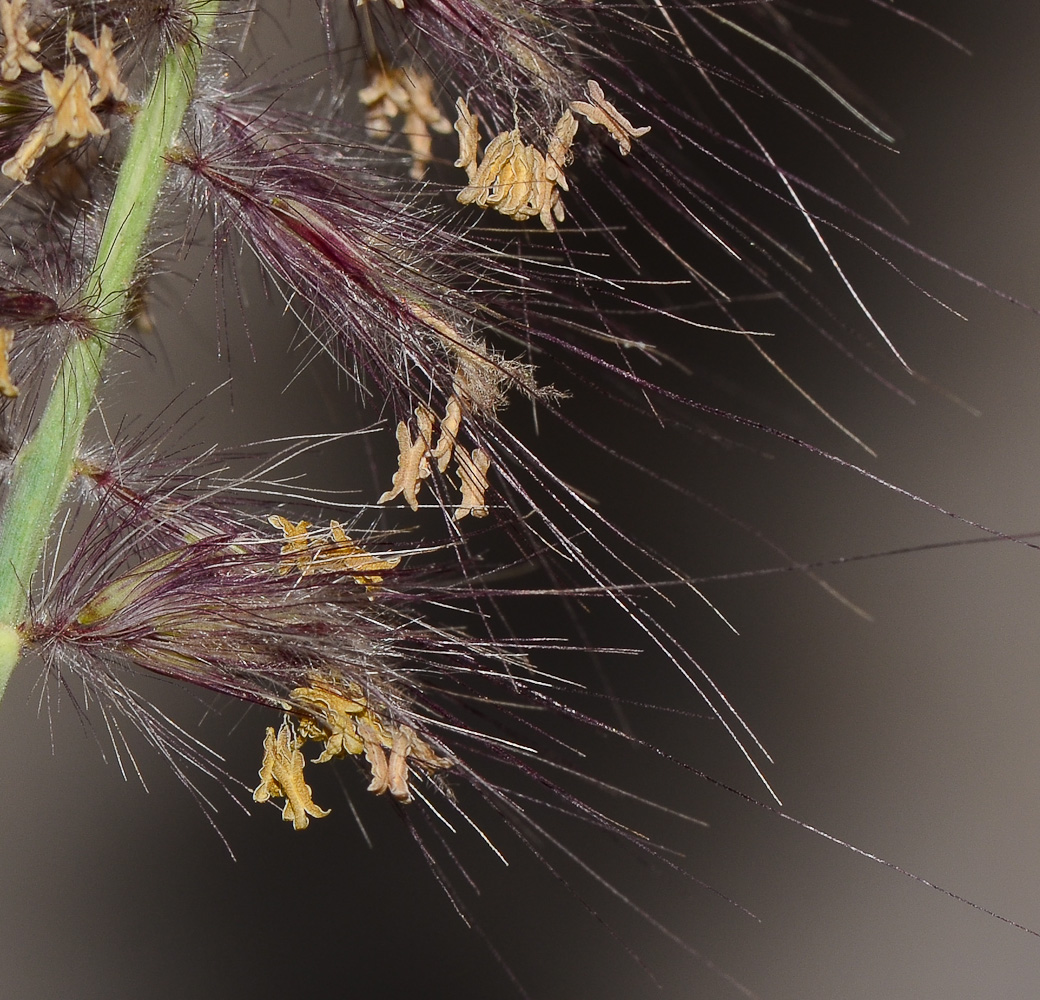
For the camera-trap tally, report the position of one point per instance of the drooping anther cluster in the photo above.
(418, 457)
(71, 117)
(409, 92)
(518, 180)
(515, 178)
(347, 724)
(331, 551)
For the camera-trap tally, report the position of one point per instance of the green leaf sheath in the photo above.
(44, 467)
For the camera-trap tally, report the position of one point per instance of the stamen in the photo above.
(349, 725)
(413, 465)
(473, 470)
(71, 120)
(415, 458)
(7, 387)
(18, 52)
(103, 64)
(281, 775)
(602, 112)
(407, 92)
(514, 178)
(335, 553)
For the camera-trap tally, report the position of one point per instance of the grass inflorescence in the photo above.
(504, 228)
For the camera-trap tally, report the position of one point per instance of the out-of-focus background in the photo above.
(915, 736)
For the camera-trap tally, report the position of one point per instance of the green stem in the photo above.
(44, 467)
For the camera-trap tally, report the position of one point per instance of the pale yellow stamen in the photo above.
(297, 542)
(372, 739)
(70, 98)
(417, 457)
(473, 469)
(103, 64)
(514, 178)
(413, 464)
(557, 156)
(70, 121)
(407, 92)
(344, 555)
(7, 387)
(449, 431)
(281, 775)
(602, 112)
(335, 552)
(469, 139)
(349, 725)
(338, 715)
(19, 47)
